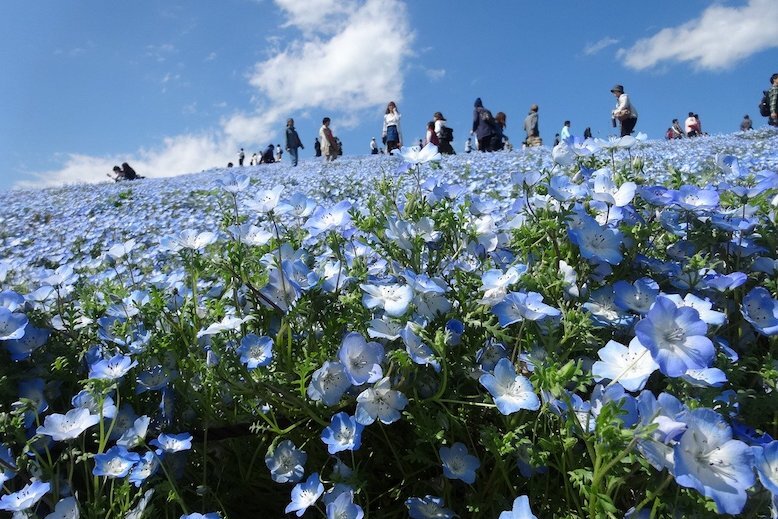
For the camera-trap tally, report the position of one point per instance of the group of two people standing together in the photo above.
(438, 132)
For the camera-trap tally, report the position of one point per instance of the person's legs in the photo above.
(293, 155)
(628, 125)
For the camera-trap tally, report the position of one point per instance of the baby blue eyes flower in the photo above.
(605, 190)
(766, 463)
(115, 463)
(495, 283)
(147, 466)
(68, 426)
(286, 463)
(630, 366)
(458, 463)
(66, 508)
(521, 510)
(328, 383)
(380, 402)
(343, 507)
(343, 434)
(22, 348)
(520, 306)
(12, 324)
(266, 201)
(111, 369)
(595, 242)
(427, 507)
(761, 310)
(708, 460)
(675, 337)
(197, 515)
(188, 239)
(511, 392)
(419, 352)
(256, 351)
(171, 443)
(305, 495)
(415, 155)
(323, 220)
(361, 359)
(24, 498)
(394, 298)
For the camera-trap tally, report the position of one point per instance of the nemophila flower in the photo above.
(11, 300)
(22, 348)
(766, 464)
(281, 291)
(115, 463)
(112, 369)
(197, 515)
(761, 310)
(419, 352)
(521, 306)
(68, 426)
(563, 189)
(343, 507)
(153, 378)
(703, 306)
(305, 494)
(384, 329)
(25, 498)
(415, 155)
(188, 239)
(638, 296)
(693, 198)
(458, 463)
(323, 220)
(286, 462)
(256, 351)
(170, 443)
(380, 402)
(147, 466)
(454, 330)
(136, 433)
(66, 508)
(32, 389)
(488, 356)
(626, 403)
(708, 377)
(228, 323)
(595, 242)
(511, 392)
(675, 337)
(250, 234)
(266, 200)
(85, 399)
(605, 190)
(233, 183)
(708, 460)
(725, 282)
(427, 507)
(521, 510)
(328, 383)
(9, 464)
(361, 359)
(495, 283)
(343, 434)
(630, 366)
(563, 154)
(393, 298)
(12, 324)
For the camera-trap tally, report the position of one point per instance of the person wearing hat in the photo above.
(531, 127)
(625, 111)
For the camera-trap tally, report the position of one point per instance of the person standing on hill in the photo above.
(292, 141)
(483, 125)
(677, 130)
(499, 137)
(746, 124)
(329, 147)
(444, 133)
(241, 156)
(317, 147)
(564, 133)
(373, 147)
(691, 125)
(391, 133)
(531, 127)
(772, 97)
(625, 112)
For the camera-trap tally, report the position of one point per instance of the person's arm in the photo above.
(383, 129)
(476, 117)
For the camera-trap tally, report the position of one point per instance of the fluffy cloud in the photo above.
(718, 39)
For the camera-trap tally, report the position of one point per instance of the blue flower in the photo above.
(427, 507)
(488, 356)
(495, 283)
(596, 243)
(419, 352)
(197, 515)
(146, 467)
(361, 359)
(256, 351)
(630, 366)
(323, 220)
(761, 310)
(24, 498)
(638, 296)
(12, 324)
(766, 463)
(521, 510)
(380, 402)
(520, 306)
(328, 383)
(68, 426)
(692, 198)
(22, 348)
(343, 507)
(708, 460)
(343, 434)
(112, 369)
(675, 337)
(134, 434)
(305, 494)
(511, 392)
(170, 443)
(66, 508)
(286, 463)
(393, 298)
(458, 463)
(115, 463)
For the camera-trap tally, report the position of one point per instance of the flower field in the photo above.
(588, 331)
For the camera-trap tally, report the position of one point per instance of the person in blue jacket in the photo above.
(483, 126)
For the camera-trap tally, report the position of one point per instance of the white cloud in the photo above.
(717, 40)
(594, 48)
(435, 74)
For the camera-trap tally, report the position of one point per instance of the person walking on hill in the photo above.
(564, 133)
(391, 133)
(444, 133)
(430, 137)
(499, 138)
(241, 156)
(625, 112)
(772, 96)
(483, 125)
(746, 124)
(293, 141)
(531, 127)
(329, 147)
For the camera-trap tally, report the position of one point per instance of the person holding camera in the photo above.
(625, 112)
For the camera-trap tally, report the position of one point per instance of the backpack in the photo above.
(764, 105)
(487, 117)
(446, 134)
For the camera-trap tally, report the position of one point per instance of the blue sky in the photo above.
(175, 87)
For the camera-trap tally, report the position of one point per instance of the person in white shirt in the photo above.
(692, 126)
(625, 112)
(373, 147)
(564, 133)
(391, 133)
